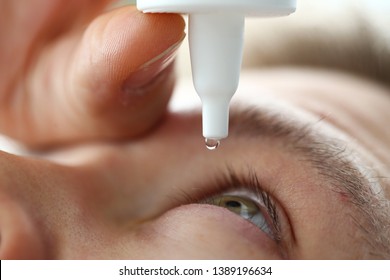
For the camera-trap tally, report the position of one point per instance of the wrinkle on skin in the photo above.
(118, 191)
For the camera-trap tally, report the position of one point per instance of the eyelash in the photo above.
(251, 183)
(231, 181)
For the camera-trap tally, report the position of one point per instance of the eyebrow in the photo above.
(330, 157)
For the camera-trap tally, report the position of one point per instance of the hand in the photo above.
(69, 74)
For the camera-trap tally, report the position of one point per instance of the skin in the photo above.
(135, 190)
(51, 92)
(121, 201)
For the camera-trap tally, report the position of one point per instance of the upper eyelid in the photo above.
(224, 175)
(262, 200)
(229, 180)
(244, 192)
(251, 181)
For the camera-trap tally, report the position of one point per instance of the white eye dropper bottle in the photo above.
(216, 33)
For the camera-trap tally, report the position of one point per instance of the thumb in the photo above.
(117, 82)
(124, 70)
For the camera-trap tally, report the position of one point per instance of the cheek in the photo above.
(20, 237)
(206, 232)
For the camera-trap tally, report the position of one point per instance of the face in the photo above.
(299, 177)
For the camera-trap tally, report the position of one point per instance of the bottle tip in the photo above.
(212, 143)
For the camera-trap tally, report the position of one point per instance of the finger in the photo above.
(27, 26)
(66, 15)
(123, 88)
(45, 19)
(116, 83)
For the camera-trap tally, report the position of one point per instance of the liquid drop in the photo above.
(212, 143)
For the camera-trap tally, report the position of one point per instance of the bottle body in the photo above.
(261, 8)
(216, 33)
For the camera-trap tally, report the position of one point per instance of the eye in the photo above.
(240, 203)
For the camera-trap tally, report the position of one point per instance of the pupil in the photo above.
(233, 204)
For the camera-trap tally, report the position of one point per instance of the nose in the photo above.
(19, 237)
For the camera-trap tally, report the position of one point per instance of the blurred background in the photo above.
(349, 35)
(315, 28)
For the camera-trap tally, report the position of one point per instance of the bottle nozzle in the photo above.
(216, 42)
(216, 30)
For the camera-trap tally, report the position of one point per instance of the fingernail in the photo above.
(149, 70)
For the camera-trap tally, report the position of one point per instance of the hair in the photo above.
(339, 166)
(358, 47)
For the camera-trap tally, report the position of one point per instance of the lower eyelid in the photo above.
(218, 226)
